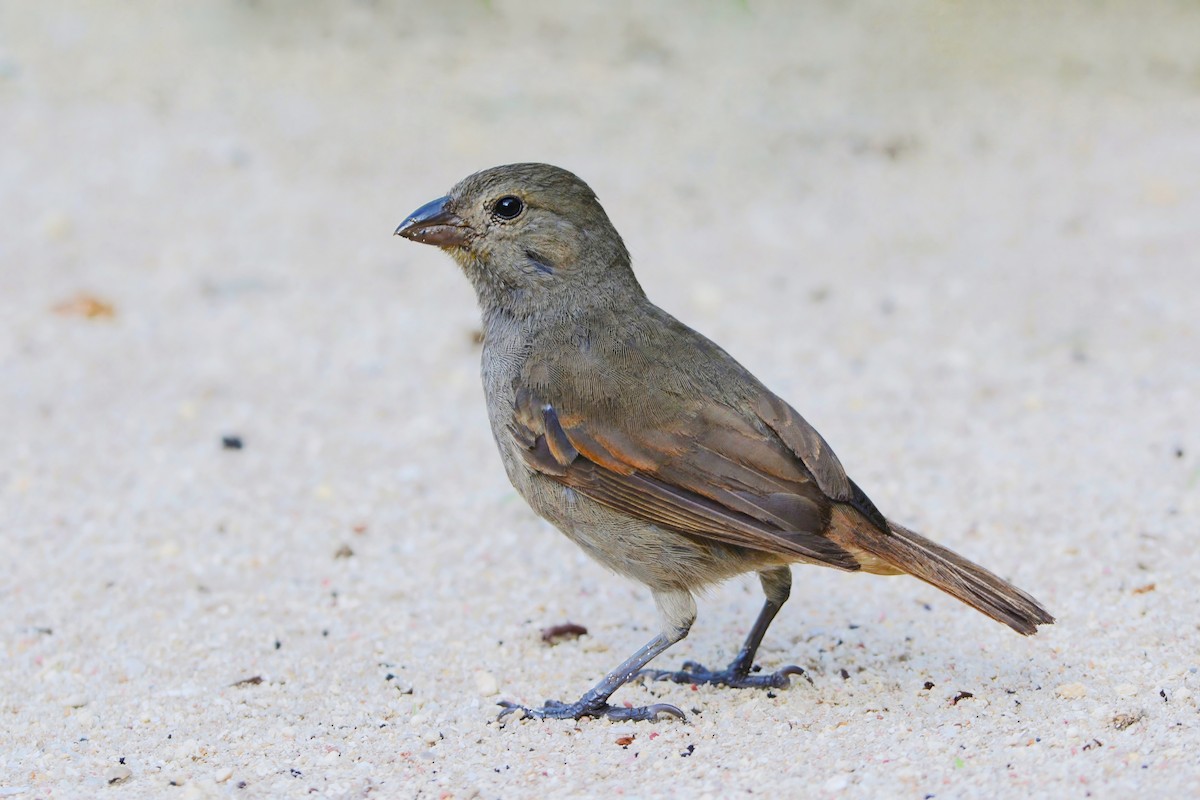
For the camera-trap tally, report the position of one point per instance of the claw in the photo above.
(644, 713)
(792, 669)
(668, 709)
(510, 708)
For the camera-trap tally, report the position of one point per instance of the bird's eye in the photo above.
(508, 207)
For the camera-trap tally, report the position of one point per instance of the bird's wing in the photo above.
(712, 472)
(816, 455)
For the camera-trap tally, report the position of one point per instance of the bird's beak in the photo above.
(433, 224)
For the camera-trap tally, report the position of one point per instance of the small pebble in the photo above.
(118, 774)
(1123, 721)
(1071, 691)
(86, 306)
(557, 633)
(486, 684)
(222, 775)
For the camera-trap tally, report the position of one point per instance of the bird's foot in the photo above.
(735, 675)
(585, 707)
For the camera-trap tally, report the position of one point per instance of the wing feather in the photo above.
(712, 475)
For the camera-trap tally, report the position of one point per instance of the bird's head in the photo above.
(530, 237)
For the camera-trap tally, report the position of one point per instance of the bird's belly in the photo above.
(660, 558)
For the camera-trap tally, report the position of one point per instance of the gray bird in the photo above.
(647, 444)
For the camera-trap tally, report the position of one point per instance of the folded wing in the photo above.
(712, 473)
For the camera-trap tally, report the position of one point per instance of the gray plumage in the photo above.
(646, 443)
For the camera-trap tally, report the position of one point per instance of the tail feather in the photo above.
(910, 552)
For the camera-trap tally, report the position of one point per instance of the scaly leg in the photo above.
(678, 611)
(777, 585)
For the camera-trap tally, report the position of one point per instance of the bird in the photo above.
(648, 445)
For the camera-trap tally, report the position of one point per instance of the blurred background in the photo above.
(961, 238)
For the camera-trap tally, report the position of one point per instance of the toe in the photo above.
(507, 708)
(644, 713)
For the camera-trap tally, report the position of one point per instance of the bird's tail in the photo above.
(911, 553)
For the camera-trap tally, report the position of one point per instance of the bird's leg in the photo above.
(678, 610)
(777, 585)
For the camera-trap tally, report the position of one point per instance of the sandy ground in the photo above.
(961, 238)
